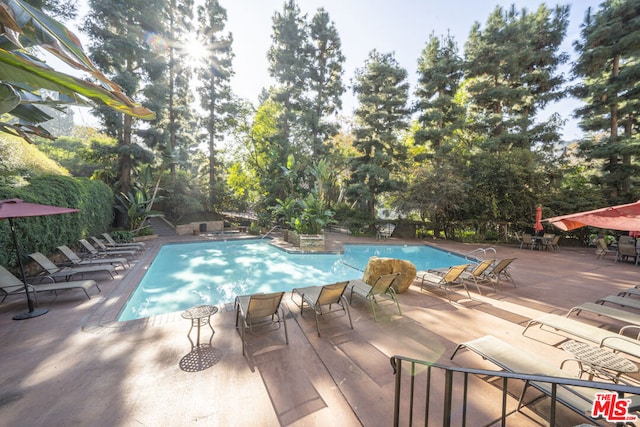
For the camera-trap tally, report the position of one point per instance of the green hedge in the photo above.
(45, 233)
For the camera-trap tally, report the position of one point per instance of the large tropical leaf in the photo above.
(9, 98)
(40, 30)
(14, 68)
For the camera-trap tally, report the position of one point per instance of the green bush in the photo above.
(122, 236)
(44, 233)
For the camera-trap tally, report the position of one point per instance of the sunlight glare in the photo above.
(195, 49)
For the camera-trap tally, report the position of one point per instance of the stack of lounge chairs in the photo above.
(71, 274)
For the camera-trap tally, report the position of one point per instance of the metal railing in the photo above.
(481, 254)
(268, 232)
(446, 393)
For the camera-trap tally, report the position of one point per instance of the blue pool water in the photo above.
(184, 275)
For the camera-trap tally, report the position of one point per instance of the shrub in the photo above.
(43, 234)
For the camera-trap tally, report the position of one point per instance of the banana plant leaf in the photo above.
(9, 98)
(14, 68)
(30, 114)
(25, 131)
(38, 29)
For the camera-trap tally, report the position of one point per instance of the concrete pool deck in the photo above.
(77, 366)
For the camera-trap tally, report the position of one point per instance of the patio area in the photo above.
(77, 366)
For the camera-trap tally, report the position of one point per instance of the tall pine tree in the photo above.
(609, 69)
(512, 74)
(214, 74)
(382, 113)
(325, 82)
(439, 76)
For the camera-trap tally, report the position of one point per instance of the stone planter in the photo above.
(307, 242)
(285, 235)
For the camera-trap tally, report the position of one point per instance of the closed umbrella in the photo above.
(16, 208)
(538, 225)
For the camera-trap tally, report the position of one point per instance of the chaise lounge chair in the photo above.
(112, 251)
(615, 341)
(606, 311)
(104, 252)
(477, 274)
(260, 313)
(501, 270)
(317, 297)
(77, 261)
(110, 243)
(451, 279)
(10, 284)
(513, 359)
(52, 271)
(383, 287)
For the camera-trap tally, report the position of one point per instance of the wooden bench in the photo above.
(610, 312)
(602, 337)
(517, 360)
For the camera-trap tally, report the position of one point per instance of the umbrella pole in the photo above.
(33, 312)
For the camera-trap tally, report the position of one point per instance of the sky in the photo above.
(399, 26)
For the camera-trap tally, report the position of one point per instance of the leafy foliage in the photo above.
(43, 234)
(24, 76)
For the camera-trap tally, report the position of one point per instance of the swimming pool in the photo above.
(188, 274)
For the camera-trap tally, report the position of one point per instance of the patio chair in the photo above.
(602, 249)
(110, 243)
(551, 242)
(53, 271)
(501, 270)
(627, 249)
(260, 313)
(103, 251)
(451, 279)
(381, 288)
(384, 231)
(11, 285)
(317, 297)
(75, 259)
(527, 240)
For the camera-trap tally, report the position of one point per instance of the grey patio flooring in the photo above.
(77, 366)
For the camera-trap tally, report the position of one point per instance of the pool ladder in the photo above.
(481, 254)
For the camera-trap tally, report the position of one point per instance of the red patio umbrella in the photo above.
(16, 208)
(538, 225)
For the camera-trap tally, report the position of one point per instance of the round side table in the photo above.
(199, 315)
